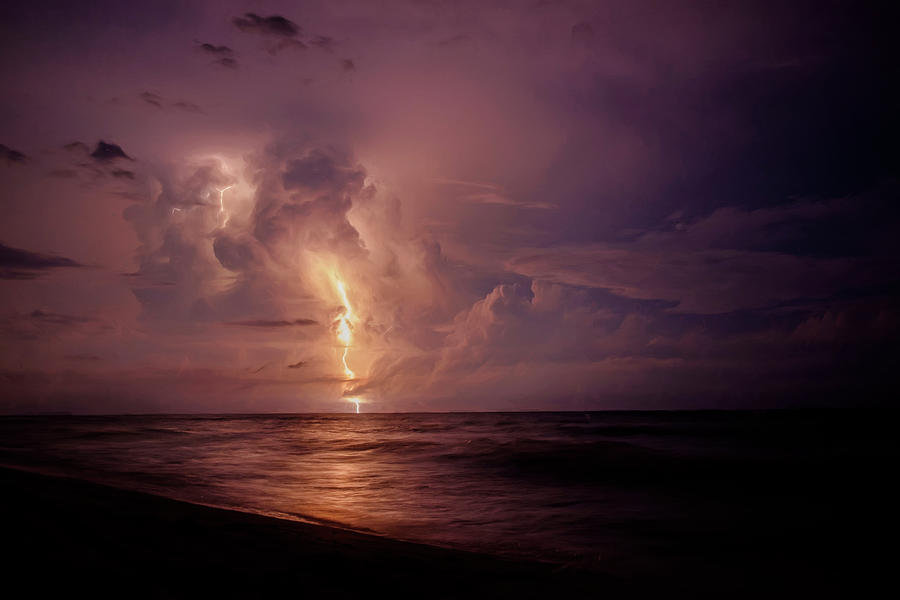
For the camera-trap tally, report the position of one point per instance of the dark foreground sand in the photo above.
(70, 538)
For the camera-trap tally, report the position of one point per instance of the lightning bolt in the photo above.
(344, 332)
(223, 214)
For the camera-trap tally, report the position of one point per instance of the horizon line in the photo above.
(445, 412)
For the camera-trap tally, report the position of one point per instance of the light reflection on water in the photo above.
(551, 485)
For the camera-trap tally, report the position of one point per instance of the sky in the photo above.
(421, 205)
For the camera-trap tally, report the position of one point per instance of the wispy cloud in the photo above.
(488, 193)
(10, 156)
(16, 263)
(274, 323)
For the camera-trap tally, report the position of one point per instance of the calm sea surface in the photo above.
(612, 488)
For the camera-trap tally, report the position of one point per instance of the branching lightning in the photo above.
(223, 214)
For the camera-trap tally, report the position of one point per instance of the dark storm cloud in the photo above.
(106, 152)
(274, 324)
(715, 264)
(151, 98)
(11, 156)
(638, 204)
(224, 55)
(16, 263)
(322, 184)
(274, 25)
(61, 19)
(285, 44)
(159, 102)
(322, 169)
(227, 62)
(723, 115)
(79, 147)
(324, 42)
(236, 254)
(216, 50)
(301, 201)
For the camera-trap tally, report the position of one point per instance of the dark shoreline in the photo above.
(74, 536)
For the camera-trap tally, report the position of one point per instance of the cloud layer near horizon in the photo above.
(549, 206)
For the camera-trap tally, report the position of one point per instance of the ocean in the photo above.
(629, 491)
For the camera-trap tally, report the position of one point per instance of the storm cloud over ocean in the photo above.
(255, 207)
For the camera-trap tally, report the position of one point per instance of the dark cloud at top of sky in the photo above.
(16, 263)
(274, 25)
(66, 22)
(11, 156)
(106, 152)
(797, 108)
